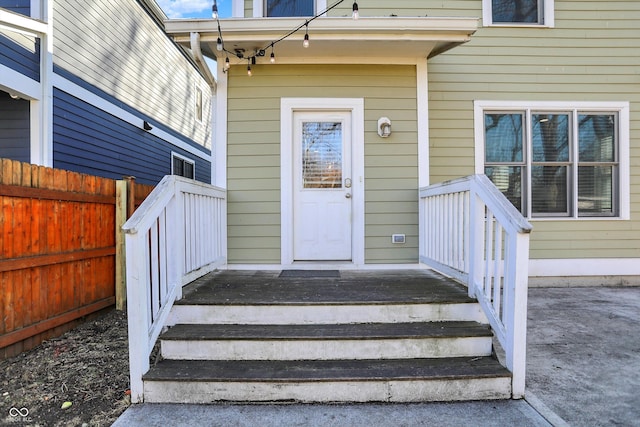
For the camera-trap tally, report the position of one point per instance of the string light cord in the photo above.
(271, 44)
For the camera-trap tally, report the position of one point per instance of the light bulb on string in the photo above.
(214, 10)
(272, 59)
(305, 42)
(227, 64)
(219, 45)
(249, 73)
(356, 13)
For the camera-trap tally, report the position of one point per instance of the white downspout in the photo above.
(202, 64)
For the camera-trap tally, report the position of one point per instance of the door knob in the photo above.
(348, 195)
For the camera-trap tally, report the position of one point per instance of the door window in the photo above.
(322, 155)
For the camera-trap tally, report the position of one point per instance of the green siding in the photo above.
(391, 170)
(590, 55)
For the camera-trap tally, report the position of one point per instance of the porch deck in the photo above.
(313, 287)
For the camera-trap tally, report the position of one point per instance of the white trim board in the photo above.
(16, 83)
(324, 266)
(584, 267)
(287, 108)
(104, 105)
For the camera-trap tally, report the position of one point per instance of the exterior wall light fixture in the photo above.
(384, 127)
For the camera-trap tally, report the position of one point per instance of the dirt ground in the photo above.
(88, 366)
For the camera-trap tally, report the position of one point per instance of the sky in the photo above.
(194, 8)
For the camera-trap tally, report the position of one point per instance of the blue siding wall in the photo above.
(18, 6)
(14, 128)
(19, 58)
(89, 140)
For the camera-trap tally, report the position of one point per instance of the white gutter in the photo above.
(202, 64)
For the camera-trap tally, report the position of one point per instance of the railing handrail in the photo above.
(176, 235)
(470, 231)
(497, 202)
(160, 196)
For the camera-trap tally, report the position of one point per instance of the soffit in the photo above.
(386, 37)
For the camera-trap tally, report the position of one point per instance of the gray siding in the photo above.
(14, 128)
(22, 7)
(21, 53)
(119, 49)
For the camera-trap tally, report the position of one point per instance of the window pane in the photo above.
(595, 190)
(289, 8)
(550, 134)
(188, 170)
(503, 137)
(322, 155)
(596, 137)
(198, 105)
(525, 11)
(178, 164)
(549, 190)
(509, 181)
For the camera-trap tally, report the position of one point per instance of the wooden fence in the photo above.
(57, 250)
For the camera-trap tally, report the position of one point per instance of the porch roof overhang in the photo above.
(331, 37)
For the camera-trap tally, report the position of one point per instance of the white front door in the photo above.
(322, 186)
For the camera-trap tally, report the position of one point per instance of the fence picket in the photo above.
(49, 219)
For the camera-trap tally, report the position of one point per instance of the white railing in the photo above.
(177, 235)
(471, 232)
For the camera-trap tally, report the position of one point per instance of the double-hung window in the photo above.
(553, 160)
(518, 12)
(182, 166)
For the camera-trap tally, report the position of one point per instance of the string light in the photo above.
(305, 42)
(239, 53)
(214, 10)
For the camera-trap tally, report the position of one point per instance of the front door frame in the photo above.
(287, 107)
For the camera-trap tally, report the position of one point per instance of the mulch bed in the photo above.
(87, 366)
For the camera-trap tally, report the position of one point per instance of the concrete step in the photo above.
(403, 380)
(325, 342)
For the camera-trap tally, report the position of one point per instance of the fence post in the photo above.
(121, 261)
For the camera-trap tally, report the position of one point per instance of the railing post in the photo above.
(137, 313)
(476, 241)
(175, 234)
(516, 321)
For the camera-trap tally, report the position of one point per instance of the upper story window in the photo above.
(182, 166)
(552, 160)
(518, 12)
(284, 8)
(198, 105)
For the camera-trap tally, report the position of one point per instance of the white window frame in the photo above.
(198, 90)
(184, 159)
(259, 9)
(548, 16)
(620, 108)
